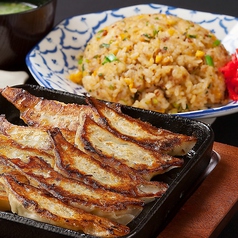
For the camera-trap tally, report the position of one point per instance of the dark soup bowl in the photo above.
(22, 25)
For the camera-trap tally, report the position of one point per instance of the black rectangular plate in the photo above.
(155, 215)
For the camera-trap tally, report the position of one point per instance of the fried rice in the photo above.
(154, 61)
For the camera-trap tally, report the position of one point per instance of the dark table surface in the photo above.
(225, 128)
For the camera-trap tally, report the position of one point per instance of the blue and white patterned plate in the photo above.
(51, 61)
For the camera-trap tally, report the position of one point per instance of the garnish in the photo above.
(100, 75)
(209, 60)
(192, 36)
(155, 32)
(147, 36)
(111, 87)
(109, 58)
(101, 33)
(216, 43)
(80, 60)
(230, 72)
(104, 45)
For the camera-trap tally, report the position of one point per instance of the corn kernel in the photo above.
(127, 80)
(155, 101)
(158, 58)
(115, 51)
(151, 60)
(76, 77)
(171, 22)
(199, 53)
(171, 31)
(123, 36)
(94, 73)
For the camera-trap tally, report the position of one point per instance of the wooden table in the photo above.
(212, 205)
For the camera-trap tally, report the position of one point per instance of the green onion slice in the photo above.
(104, 45)
(147, 36)
(192, 36)
(80, 60)
(109, 58)
(216, 43)
(209, 60)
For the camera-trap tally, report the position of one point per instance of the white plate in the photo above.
(55, 56)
